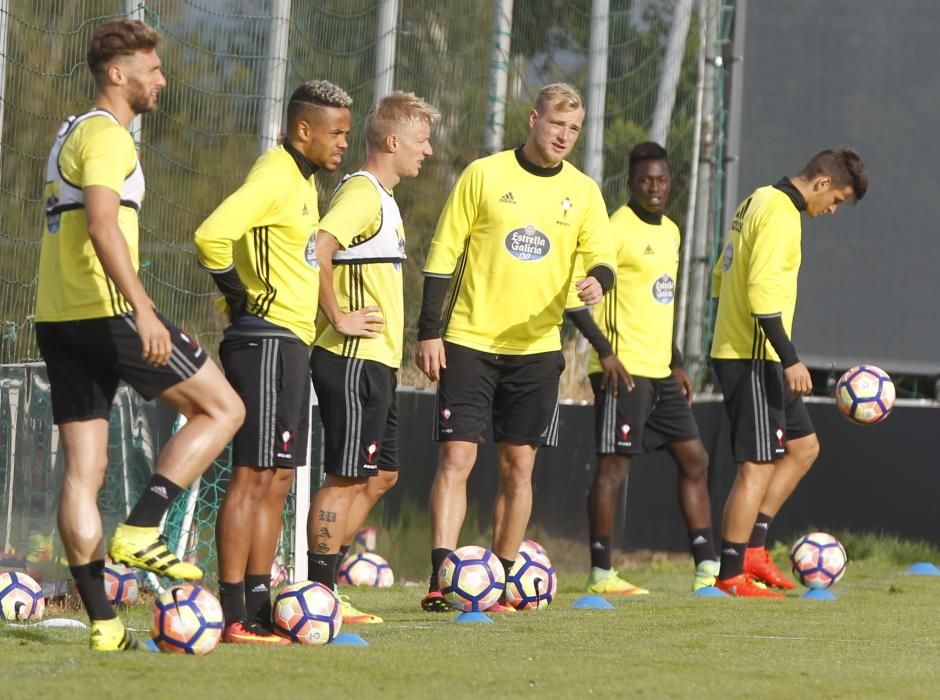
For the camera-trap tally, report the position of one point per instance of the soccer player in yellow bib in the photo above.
(763, 381)
(96, 326)
(358, 350)
(506, 244)
(652, 411)
(258, 245)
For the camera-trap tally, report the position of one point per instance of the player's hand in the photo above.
(363, 323)
(154, 337)
(589, 290)
(614, 375)
(685, 381)
(798, 379)
(430, 358)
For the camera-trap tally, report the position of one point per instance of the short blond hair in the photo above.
(395, 110)
(560, 95)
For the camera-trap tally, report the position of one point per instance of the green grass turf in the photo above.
(879, 639)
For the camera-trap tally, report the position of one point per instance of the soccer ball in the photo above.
(307, 612)
(187, 619)
(532, 547)
(366, 569)
(120, 584)
(471, 578)
(20, 597)
(365, 539)
(865, 394)
(532, 583)
(818, 560)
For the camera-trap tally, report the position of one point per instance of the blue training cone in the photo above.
(348, 639)
(924, 568)
(592, 602)
(473, 616)
(819, 594)
(710, 592)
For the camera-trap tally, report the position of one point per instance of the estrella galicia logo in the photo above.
(527, 243)
(728, 258)
(664, 289)
(310, 253)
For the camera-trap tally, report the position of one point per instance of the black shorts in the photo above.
(655, 414)
(359, 409)
(269, 372)
(87, 359)
(521, 392)
(763, 412)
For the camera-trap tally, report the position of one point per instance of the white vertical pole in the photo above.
(385, 37)
(4, 23)
(597, 90)
(735, 115)
(11, 480)
(669, 77)
(275, 75)
(134, 9)
(302, 501)
(499, 76)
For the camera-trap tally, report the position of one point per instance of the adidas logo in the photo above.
(762, 526)
(159, 490)
(507, 198)
(699, 540)
(730, 550)
(649, 250)
(597, 546)
(260, 588)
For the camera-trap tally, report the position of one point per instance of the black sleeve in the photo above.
(604, 275)
(230, 284)
(584, 322)
(677, 361)
(429, 320)
(777, 335)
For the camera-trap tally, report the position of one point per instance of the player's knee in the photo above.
(384, 481)
(456, 461)
(695, 466)
(611, 470)
(807, 451)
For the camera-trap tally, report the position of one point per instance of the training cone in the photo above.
(819, 594)
(473, 617)
(710, 592)
(348, 639)
(923, 568)
(592, 602)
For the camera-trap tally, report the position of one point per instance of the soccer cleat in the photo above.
(111, 635)
(143, 548)
(434, 602)
(243, 632)
(352, 616)
(603, 581)
(743, 586)
(706, 574)
(759, 565)
(501, 608)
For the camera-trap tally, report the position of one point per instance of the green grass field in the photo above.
(881, 638)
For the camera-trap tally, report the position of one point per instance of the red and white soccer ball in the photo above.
(532, 583)
(120, 584)
(818, 560)
(471, 579)
(532, 547)
(865, 394)
(366, 569)
(307, 612)
(187, 619)
(21, 597)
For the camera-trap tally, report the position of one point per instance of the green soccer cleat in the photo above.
(706, 574)
(608, 581)
(111, 635)
(143, 548)
(352, 616)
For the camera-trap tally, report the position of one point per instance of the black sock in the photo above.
(343, 551)
(703, 546)
(600, 552)
(438, 556)
(322, 568)
(759, 533)
(507, 569)
(232, 598)
(732, 559)
(258, 598)
(89, 579)
(154, 502)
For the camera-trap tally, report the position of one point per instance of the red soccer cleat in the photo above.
(241, 632)
(500, 608)
(742, 586)
(759, 565)
(434, 602)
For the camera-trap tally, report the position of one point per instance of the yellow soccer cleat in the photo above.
(143, 548)
(706, 574)
(352, 616)
(111, 635)
(608, 581)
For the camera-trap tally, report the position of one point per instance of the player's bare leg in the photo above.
(268, 523)
(692, 460)
(327, 525)
(235, 529)
(85, 445)
(513, 505)
(377, 486)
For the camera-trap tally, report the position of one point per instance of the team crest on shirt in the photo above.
(780, 446)
(728, 258)
(664, 289)
(624, 436)
(527, 243)
(310, 252)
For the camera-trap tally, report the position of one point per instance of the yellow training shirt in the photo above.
(93, 149)
(266, 230)
(757, 275)
(365, 219)
(515, 234)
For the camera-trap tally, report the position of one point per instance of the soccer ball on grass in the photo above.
(187, 619)
(471, 579)
(818, 560)
(308, 613)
